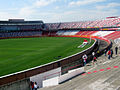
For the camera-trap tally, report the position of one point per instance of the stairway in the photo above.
(103, 76)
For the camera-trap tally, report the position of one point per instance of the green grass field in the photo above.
(24, 53)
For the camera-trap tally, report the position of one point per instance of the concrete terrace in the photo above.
(103, 76)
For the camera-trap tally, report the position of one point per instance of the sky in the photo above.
(51, 11)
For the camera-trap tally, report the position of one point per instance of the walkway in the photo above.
(104, 76)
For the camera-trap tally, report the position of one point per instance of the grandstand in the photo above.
(20, 28)
(102, 30)
(108, 22)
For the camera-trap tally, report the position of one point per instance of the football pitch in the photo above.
(24, 53)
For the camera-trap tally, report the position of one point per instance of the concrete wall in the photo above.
(51, 82)
(47, 75)
(71, 74)
(18, 85)
(62, 78)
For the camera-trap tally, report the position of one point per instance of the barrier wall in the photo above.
(59, 79)
(70, 74)
(18, 85)
(50, 74)
(20, 37)
(51, 82)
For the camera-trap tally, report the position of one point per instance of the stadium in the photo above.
(40, 52)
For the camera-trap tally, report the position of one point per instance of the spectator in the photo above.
(94, 60)
(35, 86)
(119, 50)
(32, 85)
(105, 52)
(84, 57)
(116, 50)
(98, 53)
(85, 42)
(109, 54)
(93, 53)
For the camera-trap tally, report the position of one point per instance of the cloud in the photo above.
(61, 13)
(57, 7)
(40, 3)
(77, 15)
(4, 15)
(26, 11)
(84, 2)
(30, 10)
(9, 15)
(110, 5)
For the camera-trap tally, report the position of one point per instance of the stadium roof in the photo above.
(19, 21)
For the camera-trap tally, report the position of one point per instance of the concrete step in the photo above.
(114, 84)
(106, 77)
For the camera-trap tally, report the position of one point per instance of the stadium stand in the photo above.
(20, 28)
(61, 32)
(20, 34)
(108, 22)
(113, 35)
(52, 25)
(91, 32)
(79, 33)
